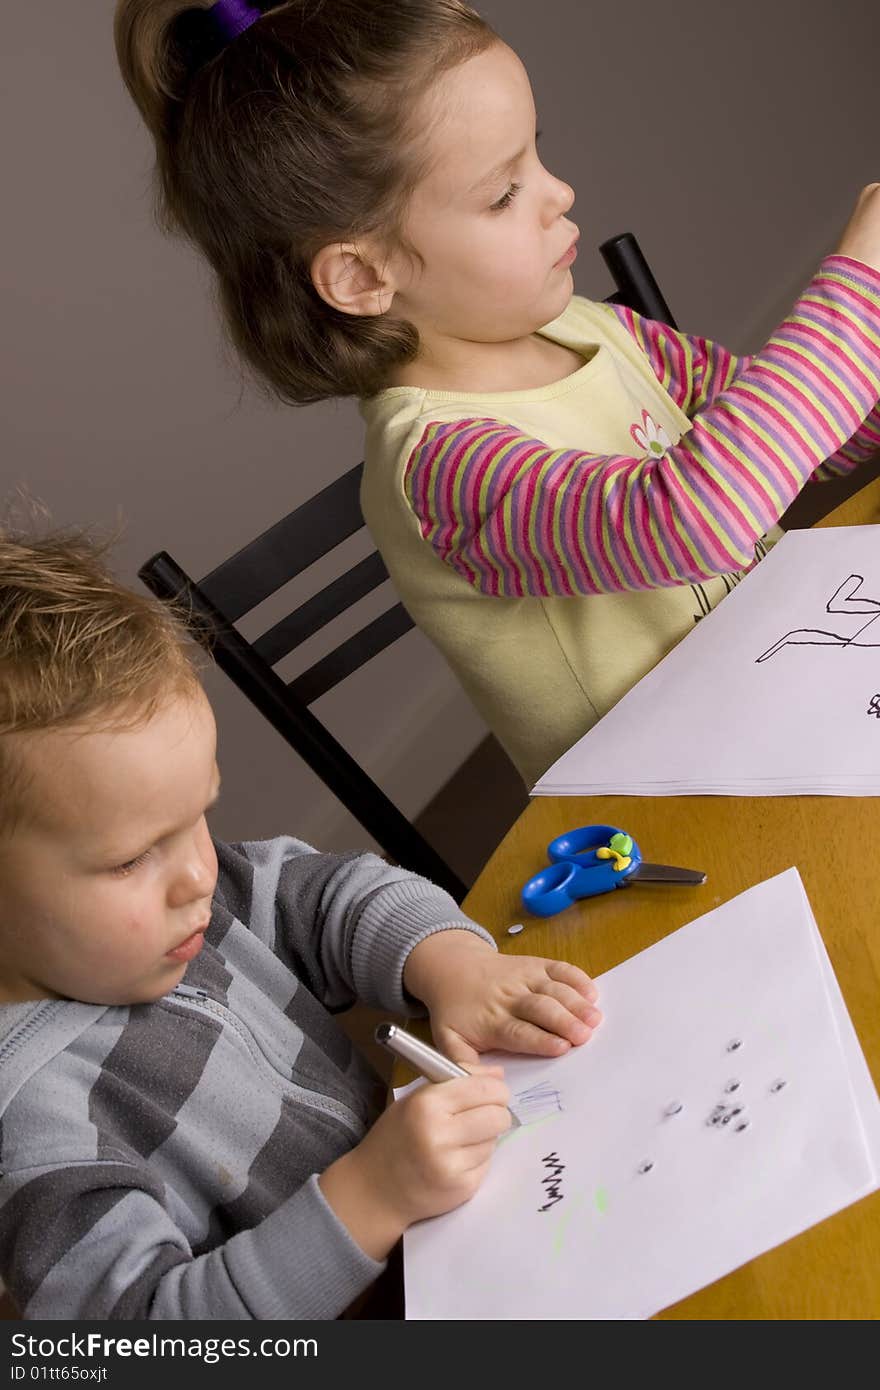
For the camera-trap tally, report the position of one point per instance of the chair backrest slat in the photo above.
(321, 609)
(306, 735)
(287, 548)
(351, 655)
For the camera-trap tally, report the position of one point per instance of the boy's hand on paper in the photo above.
(479, 999)
(426, 1154)
(861, 238)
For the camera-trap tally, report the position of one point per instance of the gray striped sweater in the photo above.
(161, 1160)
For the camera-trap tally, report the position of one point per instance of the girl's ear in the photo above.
(350, 279)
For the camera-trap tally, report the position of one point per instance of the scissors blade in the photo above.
(666, 873)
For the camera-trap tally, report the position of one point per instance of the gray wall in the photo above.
(732, 139)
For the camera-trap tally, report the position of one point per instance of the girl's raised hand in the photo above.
(861, 237)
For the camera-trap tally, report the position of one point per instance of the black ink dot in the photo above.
(743, 1124)
(646, 1166)
(734, 1044)
(673, 1108)
(777, 1085)
(731, 1086)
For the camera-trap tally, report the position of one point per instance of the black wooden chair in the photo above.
(636, 287)
(261, 568)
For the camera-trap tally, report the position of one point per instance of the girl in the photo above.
(559, 489)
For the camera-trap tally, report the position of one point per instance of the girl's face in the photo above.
(488, 220)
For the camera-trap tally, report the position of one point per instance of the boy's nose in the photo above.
(195, 877)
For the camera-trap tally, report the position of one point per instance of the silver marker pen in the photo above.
(426, 1060)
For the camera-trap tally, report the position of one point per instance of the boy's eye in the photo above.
(123, 869)
(506, 198)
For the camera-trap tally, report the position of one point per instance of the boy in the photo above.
(186, 1133)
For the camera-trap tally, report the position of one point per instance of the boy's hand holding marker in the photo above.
(431, 1149)
(424, 1156)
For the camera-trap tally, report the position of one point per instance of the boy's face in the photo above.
(106, 881)
(488, 220)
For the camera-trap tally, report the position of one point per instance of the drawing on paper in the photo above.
(843, 602)
(624, 1175)
(552, 1180)
(722, 1115)
(537, 1103)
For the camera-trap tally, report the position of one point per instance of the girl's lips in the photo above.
(569, 257)
(189, 949)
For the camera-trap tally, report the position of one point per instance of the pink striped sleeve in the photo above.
(696, 370)
(514, 517)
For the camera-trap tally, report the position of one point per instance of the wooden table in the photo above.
(833, 1269)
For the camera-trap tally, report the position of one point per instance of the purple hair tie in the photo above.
(232, 17)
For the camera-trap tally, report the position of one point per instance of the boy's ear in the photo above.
(351, 279)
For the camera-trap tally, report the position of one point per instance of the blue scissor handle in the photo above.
(576, 871)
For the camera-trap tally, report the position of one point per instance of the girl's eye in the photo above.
(122, 869)
(506, 198)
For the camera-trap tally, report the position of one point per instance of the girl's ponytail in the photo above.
(294, 135)
(160, 46)
(152, 59)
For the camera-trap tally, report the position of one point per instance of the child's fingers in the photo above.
(518, 1035)
(572, 975)
(544, 1012)
(483, 1087)
(570, 999)
(483, 1125)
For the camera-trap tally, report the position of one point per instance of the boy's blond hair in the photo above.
(77, 648)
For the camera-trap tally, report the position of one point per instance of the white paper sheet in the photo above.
(776, 692)
(617, 1242)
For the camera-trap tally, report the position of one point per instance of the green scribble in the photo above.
(600, 1201)
(563, 1224)
(559, 1233)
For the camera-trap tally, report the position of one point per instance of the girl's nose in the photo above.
(567, 194)
(560, 198)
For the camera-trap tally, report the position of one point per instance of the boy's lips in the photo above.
(189, 949)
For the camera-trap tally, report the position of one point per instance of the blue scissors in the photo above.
(591, 860)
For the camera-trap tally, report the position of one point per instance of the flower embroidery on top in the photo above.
(650, 438)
